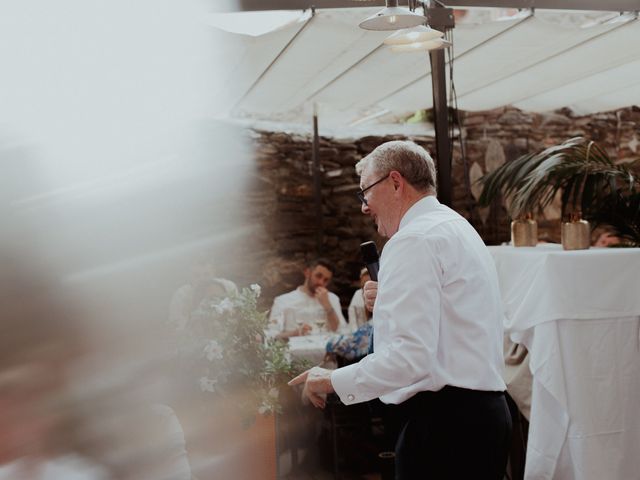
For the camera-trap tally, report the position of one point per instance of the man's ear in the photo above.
(397, 180)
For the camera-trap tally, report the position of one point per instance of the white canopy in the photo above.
(535, 61)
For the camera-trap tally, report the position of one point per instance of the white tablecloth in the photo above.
(578, 313)
(310, 347)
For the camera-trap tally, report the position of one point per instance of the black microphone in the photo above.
(371, 259)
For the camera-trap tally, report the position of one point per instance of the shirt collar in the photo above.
(422, 206)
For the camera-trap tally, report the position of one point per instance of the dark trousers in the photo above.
(453, 434)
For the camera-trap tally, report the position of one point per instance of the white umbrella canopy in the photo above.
(468, 39)
(587, 52)
(538, 61)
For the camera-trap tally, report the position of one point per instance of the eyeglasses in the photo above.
(360, 193)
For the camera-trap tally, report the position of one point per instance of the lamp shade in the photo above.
(434, 44)
(393, 18)
(421, 33)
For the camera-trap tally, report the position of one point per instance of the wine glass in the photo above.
(299, 324)
(320, 321)
(291, 319)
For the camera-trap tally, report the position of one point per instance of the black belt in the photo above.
(449, 397)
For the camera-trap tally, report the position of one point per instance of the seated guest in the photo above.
(606, 239)
(295, 313)
(358, 314)
(352, 346)
(202, 285)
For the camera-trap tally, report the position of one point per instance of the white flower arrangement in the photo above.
(213, 351)
(224, 350)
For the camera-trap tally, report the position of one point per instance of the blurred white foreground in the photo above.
(113, 180)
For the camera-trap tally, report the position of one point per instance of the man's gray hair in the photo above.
(409, 159)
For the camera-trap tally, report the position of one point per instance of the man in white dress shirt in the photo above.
(296, 312)
(437, 319)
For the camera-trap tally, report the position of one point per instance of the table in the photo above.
(578, 314)
(310, 347)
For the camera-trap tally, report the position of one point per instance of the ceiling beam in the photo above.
(253, 5)
(608, 5)
(273, 62)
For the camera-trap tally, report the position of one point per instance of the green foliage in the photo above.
(420, 116)
(506, 180)
(589, 181)
(225, 355)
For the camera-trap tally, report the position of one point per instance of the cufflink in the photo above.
(351, 397)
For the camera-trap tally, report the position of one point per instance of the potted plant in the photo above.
(505, 181)
(237, 374)
(591, 185)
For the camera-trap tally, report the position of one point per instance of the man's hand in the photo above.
(370, 292)
(317, 383)
(322, 294)
(304, 329)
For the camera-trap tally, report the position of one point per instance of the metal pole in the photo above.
(441, 19)
(317, 183)
(441, 123)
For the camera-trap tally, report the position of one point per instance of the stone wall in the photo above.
(282, 200)
(293, 230)
(500, 135)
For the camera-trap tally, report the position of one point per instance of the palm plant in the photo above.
(591, 185)
(506, 180)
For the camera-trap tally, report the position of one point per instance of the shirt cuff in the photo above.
(343, 382)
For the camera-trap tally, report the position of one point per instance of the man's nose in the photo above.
(365, 208)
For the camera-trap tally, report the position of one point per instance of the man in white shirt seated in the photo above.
(437, 317)
(308, 306)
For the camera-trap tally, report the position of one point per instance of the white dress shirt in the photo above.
(437, 316)
(304, 308)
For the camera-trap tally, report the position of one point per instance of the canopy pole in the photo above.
(317, 182)
(441, 123)
(441, 18)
